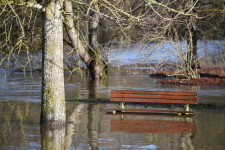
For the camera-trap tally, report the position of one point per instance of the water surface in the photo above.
(89, 127)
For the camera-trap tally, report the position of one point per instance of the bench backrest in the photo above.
(154, 97)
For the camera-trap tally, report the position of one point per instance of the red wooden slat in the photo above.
(153, 101)
(147, 110)
(152, 96)
(153, 92)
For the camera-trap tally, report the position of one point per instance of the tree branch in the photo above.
(30, 3)
(149, 2)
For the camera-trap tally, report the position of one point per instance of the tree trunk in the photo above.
(93, 64)
(96, 66)
(192, 41)
(192, 49)
(53, 95)
(93, 30)
(73, 34)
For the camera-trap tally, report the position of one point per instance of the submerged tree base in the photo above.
(53, 124)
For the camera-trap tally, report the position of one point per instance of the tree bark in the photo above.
(91, 62)
(192, 41)
(73, 34)
(53, 95)
(93, 30)
(96, 67)
(192, 49)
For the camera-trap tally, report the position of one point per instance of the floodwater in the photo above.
(89, 127)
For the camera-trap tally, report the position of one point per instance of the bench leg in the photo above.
(186, 108)
(114, 112)
(122, 106)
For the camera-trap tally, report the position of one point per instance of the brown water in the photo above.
(89, 127)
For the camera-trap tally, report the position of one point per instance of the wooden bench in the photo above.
(123, 96)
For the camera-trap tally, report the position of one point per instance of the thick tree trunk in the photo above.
(92, 63)
(96, 67)
(73, 34)
(53, 95)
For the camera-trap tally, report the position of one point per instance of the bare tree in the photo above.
(91, 61)
(177, 21)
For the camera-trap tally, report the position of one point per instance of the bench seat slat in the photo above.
(153, 101)
(154, 92)
(147, 110)
(152, 96)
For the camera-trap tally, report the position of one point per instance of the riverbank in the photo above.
(208, 76)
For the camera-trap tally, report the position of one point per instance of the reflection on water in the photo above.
(16, 120)
(52, 138)
(154, 131)
(88, 127)
(155, 125)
